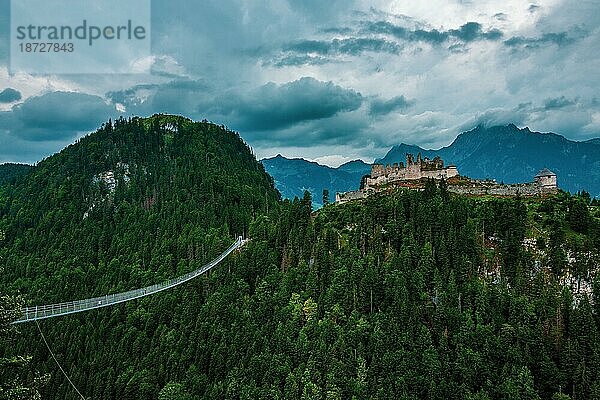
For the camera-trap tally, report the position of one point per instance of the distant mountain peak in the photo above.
(353, 162)
(482, 127)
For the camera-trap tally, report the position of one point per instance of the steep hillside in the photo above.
(294, 176)
(512, 155)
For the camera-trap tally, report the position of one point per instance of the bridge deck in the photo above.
(54, 310)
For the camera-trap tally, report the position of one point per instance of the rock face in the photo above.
(345, 197)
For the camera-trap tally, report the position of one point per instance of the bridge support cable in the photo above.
(56, 361)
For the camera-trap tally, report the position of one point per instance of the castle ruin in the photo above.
(414, 172)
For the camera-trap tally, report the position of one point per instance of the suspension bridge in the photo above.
(35, 313)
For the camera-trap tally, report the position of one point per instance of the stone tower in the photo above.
(546, 179)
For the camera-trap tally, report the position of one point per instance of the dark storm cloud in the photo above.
(179, 96)
(343, 129)
(55, 116)
(458, 48)
(294, 60)
(384, 107)
(129, 96)
(469, 32)
(556, 38)
(472, 31)
(309, 46)
(558, 102)
(348, 46)
(9, 95)
(265, 108)
(370, 38)
(274, 106)
(340, 31)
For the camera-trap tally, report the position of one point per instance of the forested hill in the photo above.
(10, 171)
(128, 198)
(135, 203)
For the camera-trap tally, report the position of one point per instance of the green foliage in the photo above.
(404, 295)
(579, 216)
(174, 391)
(10, 172)
(17, 380)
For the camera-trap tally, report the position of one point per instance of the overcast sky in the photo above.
(331, 80)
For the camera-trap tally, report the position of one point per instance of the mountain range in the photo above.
(504, 153)
(294, 176)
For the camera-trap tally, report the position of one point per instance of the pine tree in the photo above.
(325, 197)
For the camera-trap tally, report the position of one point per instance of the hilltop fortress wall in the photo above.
(521, 189)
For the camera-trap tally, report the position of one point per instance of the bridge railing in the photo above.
(54, 310)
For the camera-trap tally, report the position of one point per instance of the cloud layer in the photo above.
(40, 123)
(274, 107)
(335, 79)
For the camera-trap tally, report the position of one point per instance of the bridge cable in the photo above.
(55, 360)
